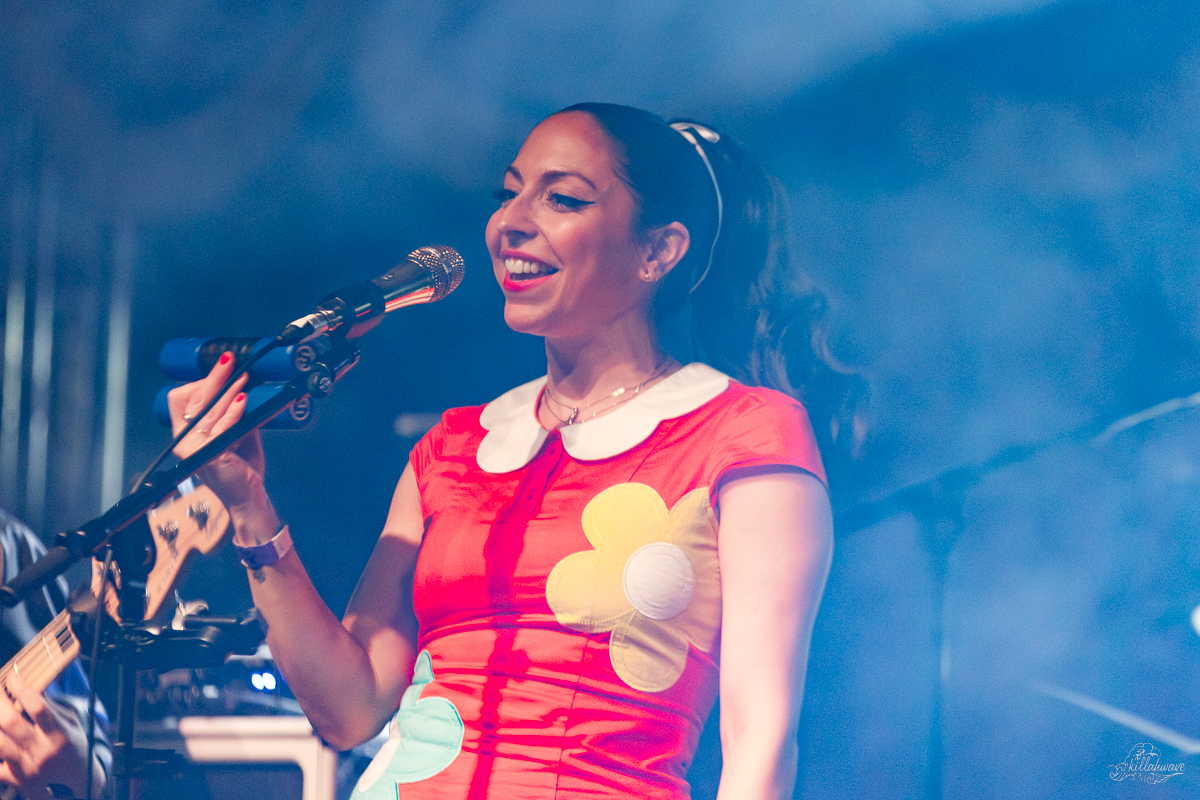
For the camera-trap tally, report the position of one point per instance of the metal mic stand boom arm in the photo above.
(125, 529)
(92, 537)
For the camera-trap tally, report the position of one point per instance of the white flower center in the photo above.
(659, 580)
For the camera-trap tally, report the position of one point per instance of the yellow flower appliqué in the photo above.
(652, 580)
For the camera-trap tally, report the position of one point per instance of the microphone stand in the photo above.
(937, 506)
(125, 528)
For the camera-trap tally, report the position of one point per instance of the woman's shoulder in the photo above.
(751, 426)
(466, 425)
(461, 419)
(760, 397)
(457, 429)
(743, 406)
(469, 419)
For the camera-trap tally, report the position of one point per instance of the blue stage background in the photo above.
(1000, 197)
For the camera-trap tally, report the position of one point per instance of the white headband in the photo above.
(712, 137)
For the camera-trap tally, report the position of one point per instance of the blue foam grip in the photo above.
(296, 416)
(191, 358)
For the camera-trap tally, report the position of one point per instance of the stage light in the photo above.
(263, 681)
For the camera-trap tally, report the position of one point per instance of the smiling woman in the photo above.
(594, 554)
(564, 242)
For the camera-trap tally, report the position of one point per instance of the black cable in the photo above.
(91, 741)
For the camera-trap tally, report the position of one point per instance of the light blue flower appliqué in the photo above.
(424, 737)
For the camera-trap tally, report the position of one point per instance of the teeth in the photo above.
(517, 266)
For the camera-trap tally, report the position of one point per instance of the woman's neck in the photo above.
(584, 374)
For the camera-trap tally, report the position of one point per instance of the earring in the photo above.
(649, 277)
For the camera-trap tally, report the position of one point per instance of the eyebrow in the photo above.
(552, 175)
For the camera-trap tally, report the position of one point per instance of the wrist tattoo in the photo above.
(258, 574)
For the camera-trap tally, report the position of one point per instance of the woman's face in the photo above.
(563, 242)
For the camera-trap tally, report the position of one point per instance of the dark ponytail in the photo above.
(755, 315)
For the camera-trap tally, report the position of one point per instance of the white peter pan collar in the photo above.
(514, 435)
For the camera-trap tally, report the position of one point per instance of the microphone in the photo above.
(427, 275)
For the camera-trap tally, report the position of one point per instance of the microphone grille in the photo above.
(445, 266)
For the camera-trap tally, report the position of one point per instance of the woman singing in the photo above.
(570, 575)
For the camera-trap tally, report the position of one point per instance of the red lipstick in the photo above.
(510, 284)
(523, 286)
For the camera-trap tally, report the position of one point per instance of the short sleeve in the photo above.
(762, 429)
(425, 451)
(457, 432)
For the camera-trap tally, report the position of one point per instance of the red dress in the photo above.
(568, 593)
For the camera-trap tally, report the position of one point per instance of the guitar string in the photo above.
(40, 669)
(34, 664)
(25, 661)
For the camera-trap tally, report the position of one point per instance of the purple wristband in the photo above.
(264, 555)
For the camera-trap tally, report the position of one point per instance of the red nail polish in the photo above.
(225, 358)
(241, 396)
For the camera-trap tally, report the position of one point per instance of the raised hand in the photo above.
(237, 474)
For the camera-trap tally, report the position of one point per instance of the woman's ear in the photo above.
(665, 247)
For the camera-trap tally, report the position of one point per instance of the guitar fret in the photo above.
(46, 647)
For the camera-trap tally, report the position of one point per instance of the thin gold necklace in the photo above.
(632, 391)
